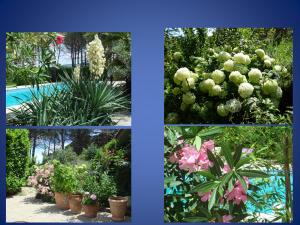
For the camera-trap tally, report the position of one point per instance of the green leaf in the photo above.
(242, 181)
(197, 142)
(195, 219)
(212, 199)
(253, 173)
(237, 155)
(253, 201)
(226, 150)
(206, 174)
(230, 185)
(210, 132)
(242, 162)
(203, 188)
(216, 168)
(225, 178)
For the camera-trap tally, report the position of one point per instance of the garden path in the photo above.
(24, 207)
(122, 119)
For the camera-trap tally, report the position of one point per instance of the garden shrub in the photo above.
(90, 152)
(228, 83)
(17, 158)
(63, 156)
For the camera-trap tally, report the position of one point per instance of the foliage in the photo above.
(83, 102)
(17, 159)
(29, 56)
(229, 78)
(63, 179)
(213, 181)
(89, 152)
(63, 156)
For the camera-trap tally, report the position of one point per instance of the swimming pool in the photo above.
(16, 96)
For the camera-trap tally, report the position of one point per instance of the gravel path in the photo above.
(25, 208)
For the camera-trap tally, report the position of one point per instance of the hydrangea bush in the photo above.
(228, 87)
(205, 182)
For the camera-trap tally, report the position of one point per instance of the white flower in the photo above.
(76, 73)
(191, 82)
(229, 65)
(254, 75)
(206, 85)
(278, 93)
(236, 77)
(188, 98)
(267, 62)
(260, 53)
(240, 58)
(223, 56)
(233, 105)
(177, 56)
(248, 60)
(277, 68)
(270, 87)
(218, 76)
(182, 74)
(215, 90)
(222, 110)
(96, 57)
(245, 90)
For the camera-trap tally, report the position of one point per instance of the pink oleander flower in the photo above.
(93, 197)
(227, 218)
(173, 158)
(226, 168)
(189, 158)
(205, 197)
(203, 160)
(208, 145)
(59, 39)
(238, 194)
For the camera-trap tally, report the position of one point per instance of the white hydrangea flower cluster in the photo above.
(238, 78)
(96, 57)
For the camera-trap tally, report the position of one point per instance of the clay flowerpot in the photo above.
(91, 210)
(62, 200)
(118, 207)
(75, 203)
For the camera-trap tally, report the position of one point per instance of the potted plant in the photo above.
(118, 206)
(90, 204)
(61, 182)
(75, 198)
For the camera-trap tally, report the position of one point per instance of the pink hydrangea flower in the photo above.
(227, 218)
(205, 197)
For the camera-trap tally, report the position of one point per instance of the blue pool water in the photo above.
(17, 96)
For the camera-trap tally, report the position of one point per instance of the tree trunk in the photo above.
(54, 142)
(62, 134)
(33, 146)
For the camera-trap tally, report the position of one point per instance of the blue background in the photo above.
(146, 21)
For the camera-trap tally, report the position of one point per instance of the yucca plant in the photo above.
(79, 102)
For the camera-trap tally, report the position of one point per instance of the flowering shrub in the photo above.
(226, 87)
(40, 180)
(89, 199)
(205, 182)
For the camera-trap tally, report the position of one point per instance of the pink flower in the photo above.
(227, 218)
(180, 141)
(208, 145)
(173, 157)
(205, 197)
(93, 197)
(238, 194)
(226, 168)
(59, 39)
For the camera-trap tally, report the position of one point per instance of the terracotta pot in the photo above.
(62, 200)
(91, 210)
(118, 207)
(75, 203)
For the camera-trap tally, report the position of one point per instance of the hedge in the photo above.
(17, 159)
